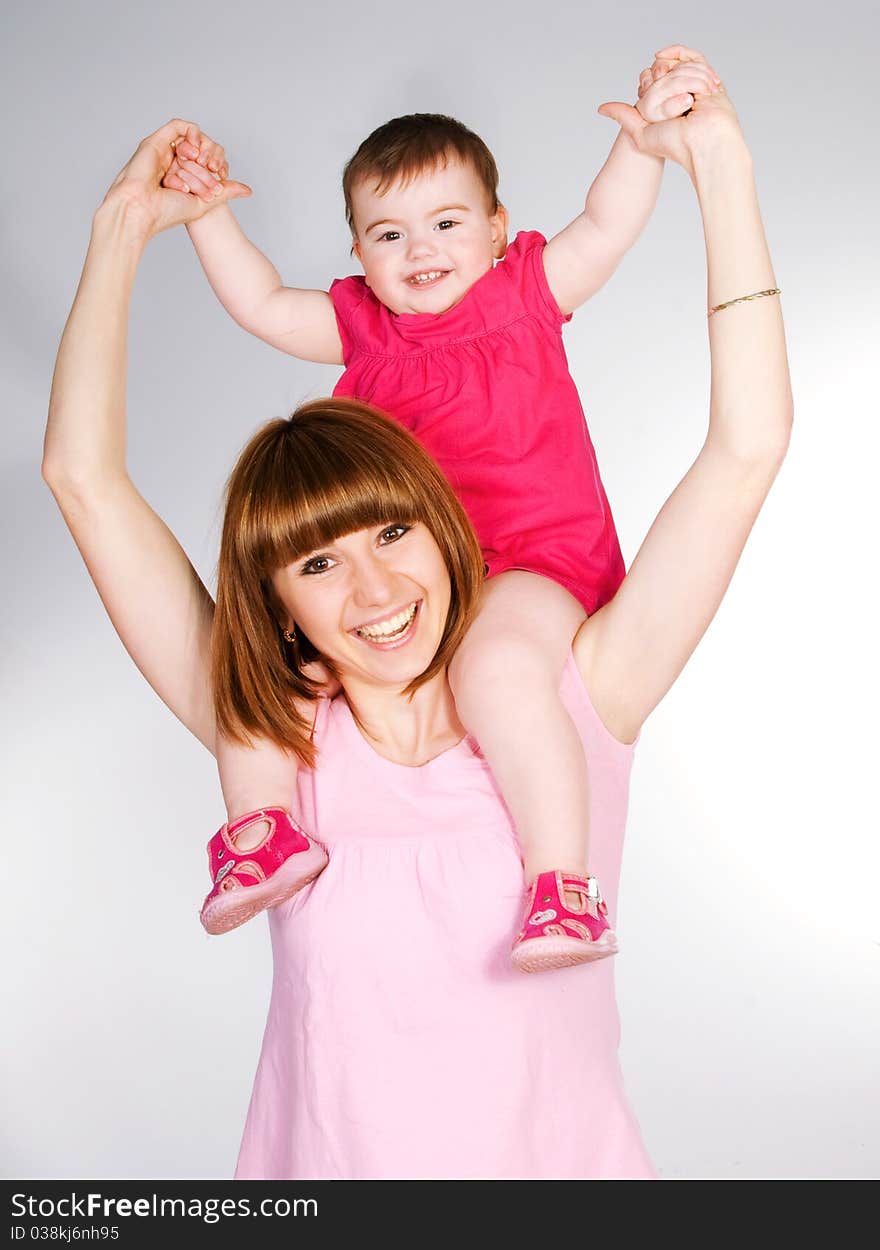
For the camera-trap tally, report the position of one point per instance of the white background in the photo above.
(748, 977)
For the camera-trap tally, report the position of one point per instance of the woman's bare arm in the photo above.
(633, 649)
(157, 603)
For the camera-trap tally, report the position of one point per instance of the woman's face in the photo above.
(374, 602)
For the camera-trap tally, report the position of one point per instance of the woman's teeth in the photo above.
(387, 631)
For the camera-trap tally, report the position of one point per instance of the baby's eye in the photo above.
(317, 564)
(446, 225)
(389, 236)
(393, 532)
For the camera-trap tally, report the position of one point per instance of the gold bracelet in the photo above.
(743, 299)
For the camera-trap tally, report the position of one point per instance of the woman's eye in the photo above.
(317, 564)
(393, 532)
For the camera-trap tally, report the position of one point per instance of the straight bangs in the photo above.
(336, 466)
(317, 488)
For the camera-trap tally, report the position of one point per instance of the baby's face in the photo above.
(424, 244)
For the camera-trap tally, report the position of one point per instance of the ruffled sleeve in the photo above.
(348, 296)
(523, 267)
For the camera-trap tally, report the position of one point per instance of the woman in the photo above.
(371, 1065)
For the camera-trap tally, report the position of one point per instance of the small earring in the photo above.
(289, 634)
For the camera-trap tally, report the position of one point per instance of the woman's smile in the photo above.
(371, 593)
(393, 630)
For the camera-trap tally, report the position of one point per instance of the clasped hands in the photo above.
(668, 89)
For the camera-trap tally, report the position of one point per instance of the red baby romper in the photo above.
(486, 390)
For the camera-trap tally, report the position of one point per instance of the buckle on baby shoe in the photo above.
(223, 870)
(594, 894)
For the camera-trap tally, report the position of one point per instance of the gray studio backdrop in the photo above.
(750, 1040)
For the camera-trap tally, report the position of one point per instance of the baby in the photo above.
(457, 334)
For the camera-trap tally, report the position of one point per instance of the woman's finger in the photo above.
(214, 157)
(209, 153)
(689, 77)
(693, 67)
(628, 118)
(702, 66)
(681, 81)
(678, 52)
(186, 141)
(193, 135)
(183, 147)
(662, 70)
(153, 156)
(662, 137)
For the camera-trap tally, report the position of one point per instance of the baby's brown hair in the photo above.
(406, 146)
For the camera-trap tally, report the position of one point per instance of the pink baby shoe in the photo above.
(246, 882)
(555, 935)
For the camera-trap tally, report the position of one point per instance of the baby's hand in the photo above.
(668, 87)
(199, 165)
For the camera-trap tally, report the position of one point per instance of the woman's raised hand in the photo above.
(682, 107)
(175, 156)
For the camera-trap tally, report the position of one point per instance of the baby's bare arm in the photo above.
(299, 322)
(247, 284)
(581, 258)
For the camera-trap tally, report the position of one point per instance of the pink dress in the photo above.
(400, 1043)
(485, 388)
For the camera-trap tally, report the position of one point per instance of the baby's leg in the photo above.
(251, 777)
(260, 862)
(505, 677)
